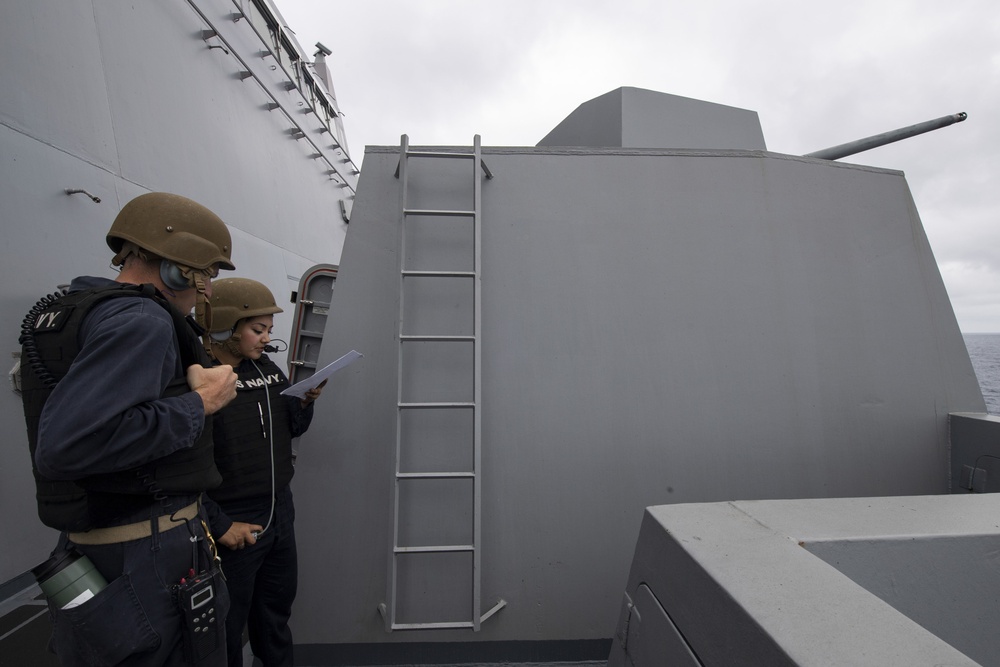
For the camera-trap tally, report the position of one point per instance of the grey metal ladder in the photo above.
(399, 548)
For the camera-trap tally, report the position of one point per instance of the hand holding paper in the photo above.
(299, 389)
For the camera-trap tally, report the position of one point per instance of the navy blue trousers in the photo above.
(262, 580)
(135, 620)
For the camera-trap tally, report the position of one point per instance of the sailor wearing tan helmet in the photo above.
(252, 510)
(118, 396)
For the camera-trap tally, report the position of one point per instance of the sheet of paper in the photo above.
(299, 389)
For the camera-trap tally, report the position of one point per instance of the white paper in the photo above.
(79, 599)
(299, 389)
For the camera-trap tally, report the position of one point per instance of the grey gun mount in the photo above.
(852, 147)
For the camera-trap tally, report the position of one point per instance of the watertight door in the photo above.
(434, 563)
(312, 304)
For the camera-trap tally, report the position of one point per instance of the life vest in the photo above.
(50, 343)
(244, 438)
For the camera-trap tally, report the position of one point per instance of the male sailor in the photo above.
(118, 396)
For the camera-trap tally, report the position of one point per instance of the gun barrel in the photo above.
(852, 147)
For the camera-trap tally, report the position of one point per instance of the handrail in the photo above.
(247, 72)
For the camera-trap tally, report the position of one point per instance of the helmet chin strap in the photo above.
(231, 344)
(203, 312)
(202, 306)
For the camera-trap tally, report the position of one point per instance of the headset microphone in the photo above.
(272, 348)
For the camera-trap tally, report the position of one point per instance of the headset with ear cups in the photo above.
(172, 276)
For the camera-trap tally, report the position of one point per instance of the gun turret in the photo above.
(852, 147)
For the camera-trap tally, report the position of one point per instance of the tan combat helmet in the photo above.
(174, 228)
(192, 242)
(235, 299)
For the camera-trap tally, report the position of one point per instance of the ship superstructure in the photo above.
(646, 308)
(211, 99)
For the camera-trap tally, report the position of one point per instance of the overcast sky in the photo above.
(817, 73)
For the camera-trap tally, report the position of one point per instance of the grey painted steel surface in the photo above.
(638, 118)
(860, 581)
(118, 100)
(975, 453)
(659, 326)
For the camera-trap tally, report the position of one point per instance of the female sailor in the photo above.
(252, 509)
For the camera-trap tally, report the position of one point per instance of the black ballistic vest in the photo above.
(243, 435)
(49, 344)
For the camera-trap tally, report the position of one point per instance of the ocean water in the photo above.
(984, 350)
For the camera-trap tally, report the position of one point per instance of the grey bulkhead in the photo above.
(118, 100)
(660, 325)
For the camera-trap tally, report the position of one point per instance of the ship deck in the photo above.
(25, 629)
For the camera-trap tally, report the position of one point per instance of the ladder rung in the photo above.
(438, 212)
(460, 339)
(452, 548)
(461, 404)
(433, 626)
(435, 475)
(442, 154)
(466, 156)
(500, 604)
(439, 274)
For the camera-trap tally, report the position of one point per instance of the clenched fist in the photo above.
(216, 386)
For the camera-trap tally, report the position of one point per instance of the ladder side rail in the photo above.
(477, 298)
(402, 172)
